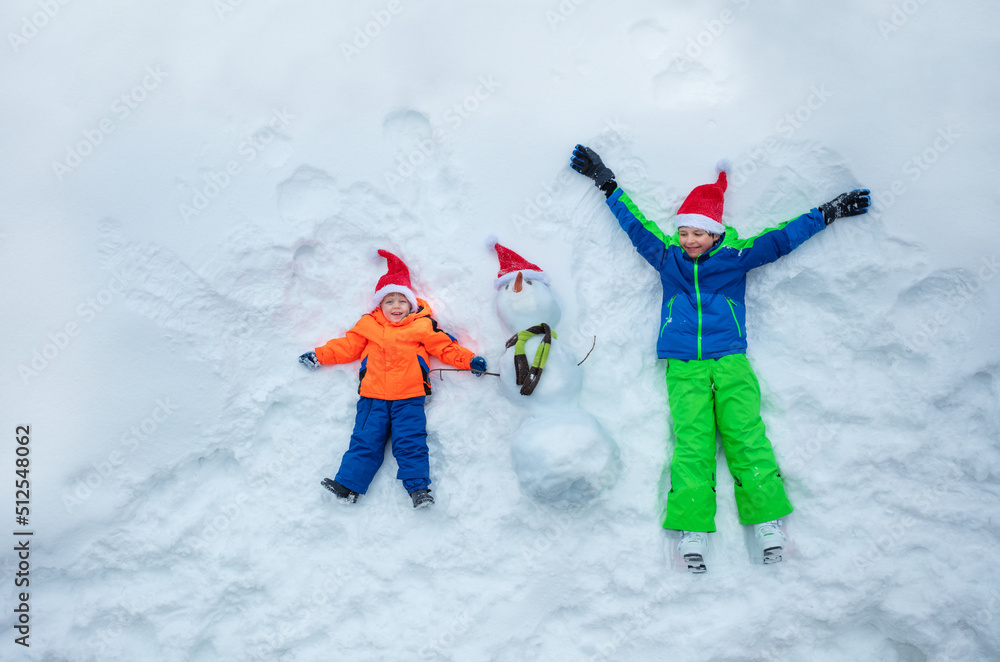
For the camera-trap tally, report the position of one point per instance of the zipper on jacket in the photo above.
(732, 309)
(670, 315)
(697, 294)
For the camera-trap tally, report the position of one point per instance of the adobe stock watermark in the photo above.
(914, 168)
(562, 12)
(409, 163)
(554, 528)
(786, 126)
(800, 457)
(231, 509)
(585, 333)
(32, 24)
(714, 28)
(982, 618)
(364, 34)
(900, 16)
(248, 149)
(128, 443)
(625, 628)
(58, 340)
(921, 339)
(536, 205)
(121, 109)
(443, 642)
(314, 604)
(108, 635)
(890, 537)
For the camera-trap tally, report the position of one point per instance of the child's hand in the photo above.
(309, 360)
(846, 204)
(586, 162)
(478, 365)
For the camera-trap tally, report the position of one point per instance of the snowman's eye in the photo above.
(528, 282)
(507, 286)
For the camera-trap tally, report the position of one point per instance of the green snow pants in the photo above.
(725, 393)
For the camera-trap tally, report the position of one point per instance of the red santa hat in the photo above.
(396, 279)
(511, 264)
(702, 208)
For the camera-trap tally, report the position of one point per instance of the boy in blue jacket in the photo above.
(702, 335)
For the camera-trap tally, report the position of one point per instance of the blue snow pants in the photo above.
(378, 420)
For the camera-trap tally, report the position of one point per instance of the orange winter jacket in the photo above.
(394, 354)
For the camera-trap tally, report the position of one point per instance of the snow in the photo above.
(191, 195)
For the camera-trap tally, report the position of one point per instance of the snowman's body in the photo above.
(561, 380)
(561, 454)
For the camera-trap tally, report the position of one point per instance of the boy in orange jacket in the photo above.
(393, 342)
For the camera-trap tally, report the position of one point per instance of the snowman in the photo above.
(561, 454)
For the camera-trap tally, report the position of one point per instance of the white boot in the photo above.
(770, 540)
(693, 547)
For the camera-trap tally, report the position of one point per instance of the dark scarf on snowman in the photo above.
(525, 377)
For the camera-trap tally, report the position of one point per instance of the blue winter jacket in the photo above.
(704, 314)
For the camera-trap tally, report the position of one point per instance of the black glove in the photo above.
(586, 162)
(309, 360)
(846, 204)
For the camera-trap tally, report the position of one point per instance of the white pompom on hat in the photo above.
(702, 208)
(396, 279)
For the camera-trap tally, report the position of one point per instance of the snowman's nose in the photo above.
(517, 282)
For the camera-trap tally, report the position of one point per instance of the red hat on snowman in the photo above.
(396, 279)
(702, 208)
(511, 264)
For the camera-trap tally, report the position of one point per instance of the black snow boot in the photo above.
(343, 493)
(421, 498)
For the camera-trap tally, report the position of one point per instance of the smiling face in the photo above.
(696, 242)
(395, 307)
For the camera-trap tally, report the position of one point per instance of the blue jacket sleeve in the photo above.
(648, 239)
(772, 243)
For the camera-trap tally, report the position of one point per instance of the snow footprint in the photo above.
(419, 169)
(649, 38)
(938, 312)
(688, 84)
(309, 194)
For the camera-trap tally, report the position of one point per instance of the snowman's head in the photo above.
(523, 301)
